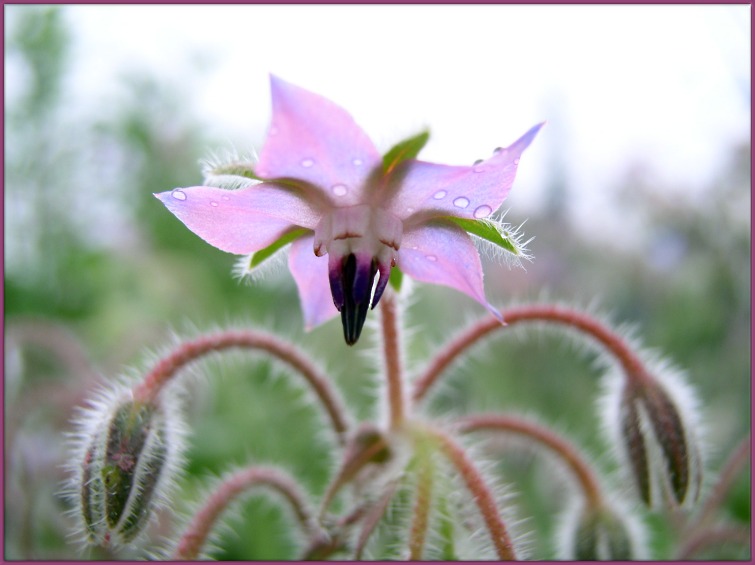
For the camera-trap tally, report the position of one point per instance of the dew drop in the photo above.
(339, 189)
(461, 202)
(432, 258)
(178, 195)
(483, 211)
(213, 204)
(356, 162)
(477, 162)
(409, 210)
(306, 163)
(224, 197)
(440, 195)
(516, 161)
(497, 150)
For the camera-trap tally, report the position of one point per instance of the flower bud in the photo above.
(657, 432)
(600, 535)
(126, 467)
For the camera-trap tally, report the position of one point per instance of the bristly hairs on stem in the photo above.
(229, 170)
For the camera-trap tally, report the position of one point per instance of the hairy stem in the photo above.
(422, 503)
(191, 350)
(588, 481)
(195, 536)
(615, 344)
(481, 494)
(351, 466)
(718, 536)
(392, 352)
(734, 465)
(372, 518)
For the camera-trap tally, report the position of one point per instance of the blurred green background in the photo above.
(98, 275)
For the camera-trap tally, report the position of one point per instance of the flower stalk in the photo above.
(195, 536)
(191, 350)
(393, 366)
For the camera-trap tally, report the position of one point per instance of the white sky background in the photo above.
(668, 86)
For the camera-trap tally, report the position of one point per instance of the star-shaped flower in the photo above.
(353, 215)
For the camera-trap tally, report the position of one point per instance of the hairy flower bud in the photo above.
(127, 454)
(601, 535)
(658, 437)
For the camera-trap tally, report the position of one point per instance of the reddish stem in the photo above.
(195, 536)
(633, 366)
(392, 353)
(189, 351)
(481, 494)
(567, 452)
(422, 504)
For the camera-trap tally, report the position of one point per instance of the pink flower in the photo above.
(353, 214)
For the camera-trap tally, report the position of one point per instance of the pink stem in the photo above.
(194, 349)
(480, 493)
(392, 352)
(571, 457)
(195, 536)
(631, 363)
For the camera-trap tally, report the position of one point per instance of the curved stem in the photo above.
(632, 364)
(481, 494)
(718, 536)
(191, 350)
(350, 468)
(567, 452)
(195, 536)
(736, 462)
(392, 352)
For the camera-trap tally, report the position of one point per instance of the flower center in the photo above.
(361, 242)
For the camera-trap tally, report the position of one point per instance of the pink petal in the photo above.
(239, 221)
(311, 275)
(314, 140)
(467, 192)
(441, 253)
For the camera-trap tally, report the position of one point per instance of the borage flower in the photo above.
(324, 186)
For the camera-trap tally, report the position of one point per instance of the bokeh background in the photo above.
(637, 191)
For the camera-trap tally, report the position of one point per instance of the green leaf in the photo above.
(489, 231)
(270, 250)
(407, 149)
(395, 279)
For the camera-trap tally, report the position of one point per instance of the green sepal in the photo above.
(403, 150)
(236, 169)
(489, 231)
(255, 259)
(395, 279)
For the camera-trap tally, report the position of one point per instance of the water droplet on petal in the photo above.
(409, 210)
(306, 163)
(477, 162)
(339, 189)
(461, 202)
(497, 150)
(483, 211)
(224, 197)
(440, 195)
(356, 162)
(213, 204)
(432, 258)
(516, 161)
(178, 195)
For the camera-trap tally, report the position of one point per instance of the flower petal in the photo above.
(314, 140)
(240, 221)
(467, 192)
(441, 253)
(311, 275)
